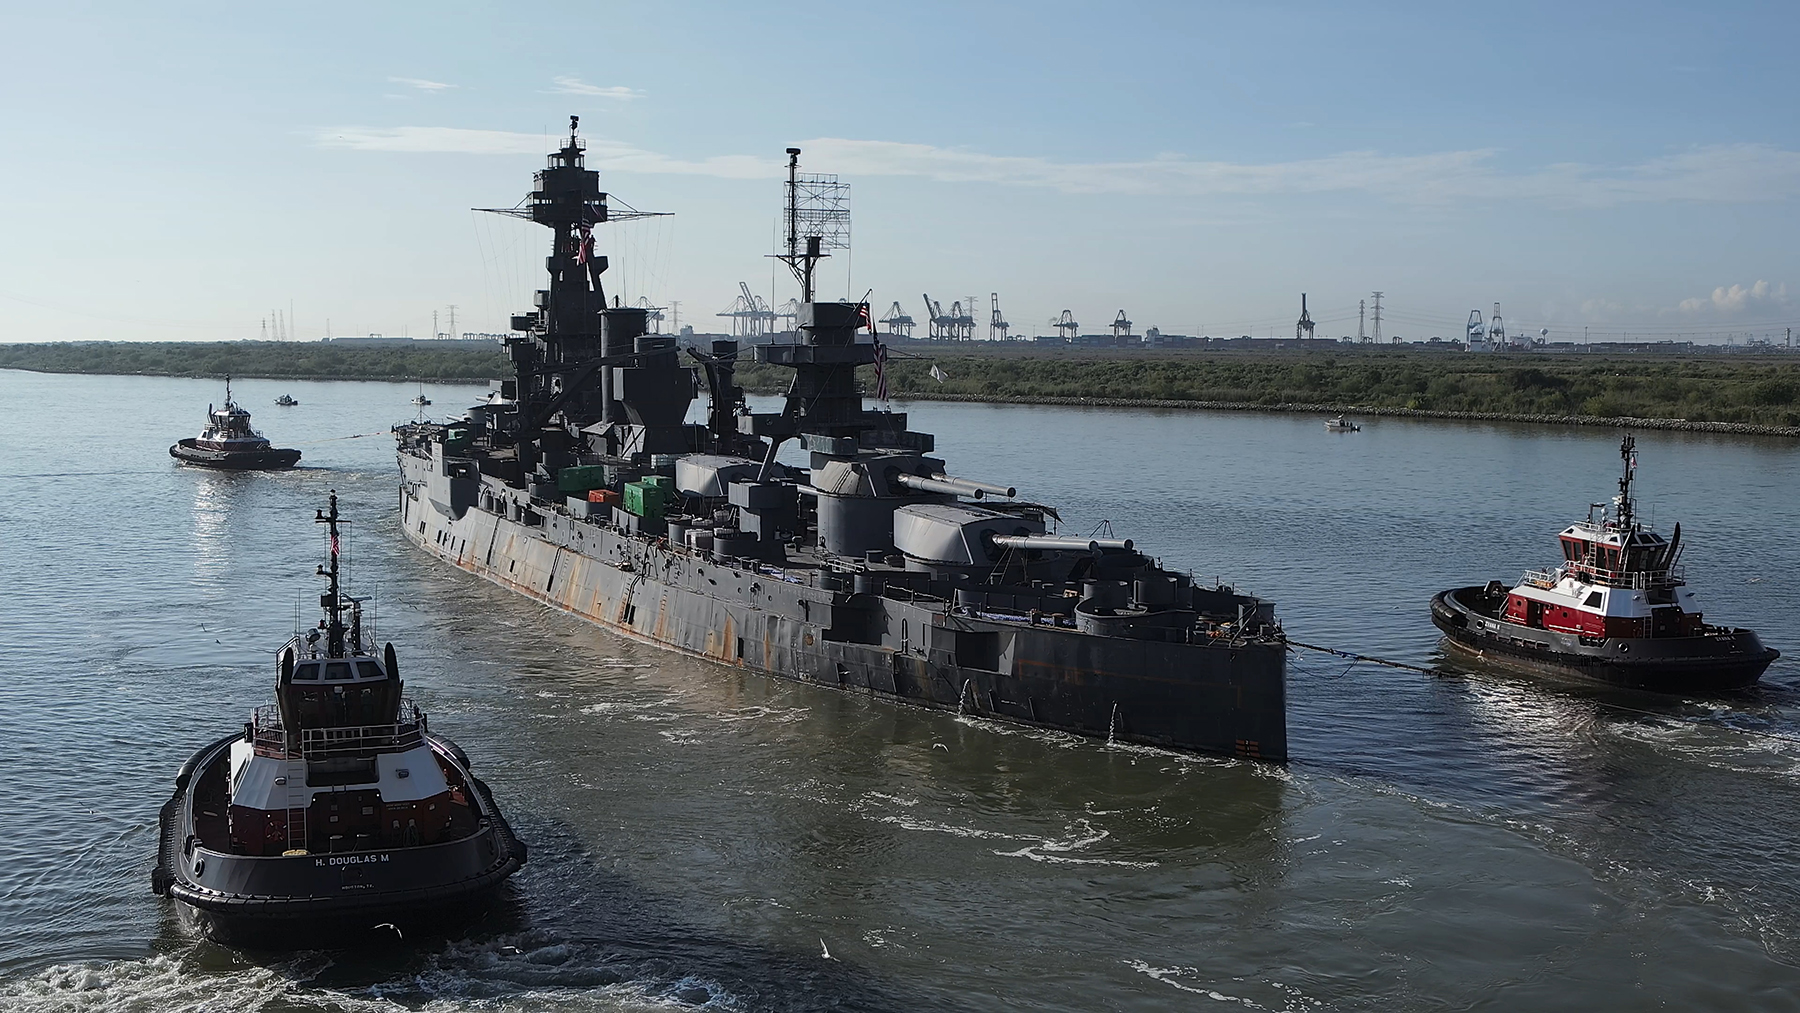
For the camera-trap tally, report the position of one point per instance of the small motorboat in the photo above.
(286, 401)
(1342, 425)
(336, 810)
(420, 399)
(1616, 611)
(228, 442)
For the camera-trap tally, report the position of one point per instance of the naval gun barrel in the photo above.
(1061, 543)
(955, 486)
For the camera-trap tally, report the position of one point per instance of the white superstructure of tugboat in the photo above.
(335, 805)
(229, 442)
(1617, 610)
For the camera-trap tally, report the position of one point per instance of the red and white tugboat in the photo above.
(1616, 611)
(228, 442)
(334, 807)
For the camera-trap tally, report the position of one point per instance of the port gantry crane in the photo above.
(1066, 327)
(750, 316)
(997, 325)
(938, 327)
(899, 324)
(1304, 328)
(653, 315)
(1121, 327)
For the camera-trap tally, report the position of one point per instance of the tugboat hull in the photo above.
(189, 452)
(1718, 660)
(252, 898)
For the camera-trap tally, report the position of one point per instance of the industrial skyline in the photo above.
(269, 160)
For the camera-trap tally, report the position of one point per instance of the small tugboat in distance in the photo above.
(1342, 425)
(420, 399)
(228, 442)
(286, 401)
(1616, 611)
(335, 807)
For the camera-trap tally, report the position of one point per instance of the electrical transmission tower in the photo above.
(1376, 337)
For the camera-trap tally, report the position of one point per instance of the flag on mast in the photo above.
(938, 374)
(881, 387)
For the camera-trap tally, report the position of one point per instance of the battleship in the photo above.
(868, 568)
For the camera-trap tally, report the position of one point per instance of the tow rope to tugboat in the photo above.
(334, 439)
(1364, 657)
(1755, 733)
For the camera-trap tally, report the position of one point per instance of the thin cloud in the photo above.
(576, 86)
(428, 87)
(1740, 173)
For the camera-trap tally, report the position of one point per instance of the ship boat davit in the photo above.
(1617, 611)
(862, 566)
(336, 809)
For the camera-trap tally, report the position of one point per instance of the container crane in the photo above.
(1066, 327)
(938, 326)
(1121, 327)
(900, 325)
(997, 325)
(1304, 329)
(750, 316)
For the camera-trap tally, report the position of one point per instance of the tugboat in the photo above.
(1616, 611)
(286, 401)
(228, 442)
(336, 807)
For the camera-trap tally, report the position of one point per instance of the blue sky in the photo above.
(179, 173)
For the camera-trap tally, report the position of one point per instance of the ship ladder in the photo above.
(298, 798)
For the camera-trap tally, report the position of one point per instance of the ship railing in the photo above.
(1539, 578)
(1636, 580)
(270, 738)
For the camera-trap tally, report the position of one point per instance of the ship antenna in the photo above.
(802, 264)
(330, 600)
(1626, 447)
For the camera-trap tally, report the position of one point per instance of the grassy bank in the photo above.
(1741, 389)
(281, 360)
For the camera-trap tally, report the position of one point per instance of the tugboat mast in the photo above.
(1626, 448)
(332, 600)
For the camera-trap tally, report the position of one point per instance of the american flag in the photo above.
(334, 545)
(881, 388)
(584, 249)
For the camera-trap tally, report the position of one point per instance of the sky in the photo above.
(187, 171)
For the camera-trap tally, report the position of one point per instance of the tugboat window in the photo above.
(338, 670)
(306, 672)
(368, 670)
(1593, 601)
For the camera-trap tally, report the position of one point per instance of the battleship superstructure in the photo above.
(579, 483)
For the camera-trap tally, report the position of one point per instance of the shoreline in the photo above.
(1672, 425)
(1287, 407)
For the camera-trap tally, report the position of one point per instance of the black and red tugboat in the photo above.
(228, 442)
(335, 807)
(1615, 611)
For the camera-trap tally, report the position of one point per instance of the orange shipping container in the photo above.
(607, 496)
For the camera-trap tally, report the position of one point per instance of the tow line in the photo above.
(1364, 657)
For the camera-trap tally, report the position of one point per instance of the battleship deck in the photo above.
(807, 622)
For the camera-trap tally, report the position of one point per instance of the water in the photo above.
(701, 838)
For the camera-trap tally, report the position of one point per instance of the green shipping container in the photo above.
(663, 482)
(644, 499)
(581, 478)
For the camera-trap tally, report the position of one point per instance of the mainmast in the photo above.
(802, 264)
(332, 600)
(1623, 502)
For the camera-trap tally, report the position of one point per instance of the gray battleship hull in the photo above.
(1221, 696)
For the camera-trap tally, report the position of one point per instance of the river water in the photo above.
(702, 838)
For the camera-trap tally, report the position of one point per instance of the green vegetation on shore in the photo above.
(1737, 388)
(280, 360)
(1755, 390)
